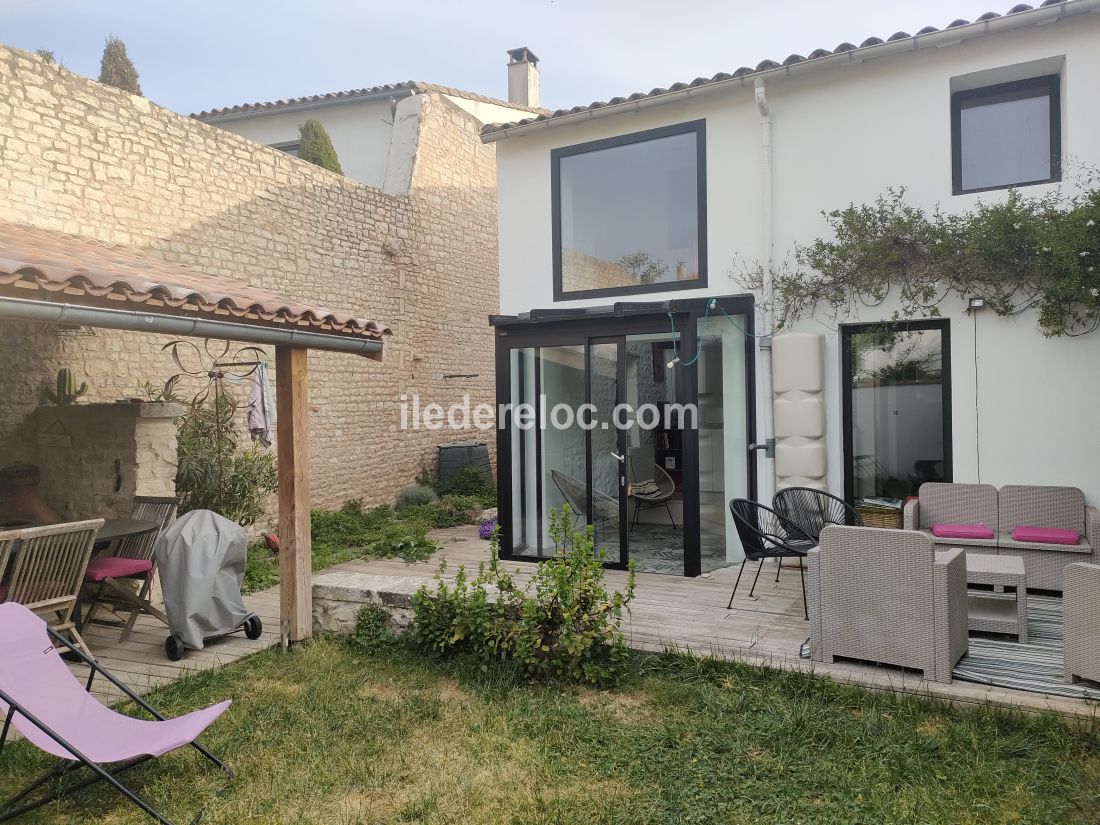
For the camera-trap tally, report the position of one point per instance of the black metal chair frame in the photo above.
(12, 808)
(812, 510)
(777, 538)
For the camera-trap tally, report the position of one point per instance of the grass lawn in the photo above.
(325, 734)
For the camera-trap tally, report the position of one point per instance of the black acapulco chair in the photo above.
(812, 510)
(765, 534)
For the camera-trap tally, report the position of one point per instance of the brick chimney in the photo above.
(523, 77)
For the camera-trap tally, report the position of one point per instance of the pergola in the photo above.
(50, 277)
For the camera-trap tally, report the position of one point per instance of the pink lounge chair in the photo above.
(46, 703)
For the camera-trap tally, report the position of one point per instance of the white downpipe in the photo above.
(767, 479)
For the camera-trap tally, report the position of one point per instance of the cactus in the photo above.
(67, 391)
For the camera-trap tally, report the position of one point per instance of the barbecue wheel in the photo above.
(173, 647)
(253, 627)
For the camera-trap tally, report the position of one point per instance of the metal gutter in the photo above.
(938, 39)
(49, 312)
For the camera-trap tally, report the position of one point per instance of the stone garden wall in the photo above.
(83, 158)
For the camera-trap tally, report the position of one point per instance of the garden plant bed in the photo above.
(327, 734)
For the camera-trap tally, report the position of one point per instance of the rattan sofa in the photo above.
(1082, 622)
(1002, 511)
(887, 596)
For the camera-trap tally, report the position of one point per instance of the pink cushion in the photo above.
(1045, 535)
(116, 568)
(962, 531)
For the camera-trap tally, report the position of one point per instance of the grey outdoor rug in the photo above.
(1037, 666)
(1001, 661)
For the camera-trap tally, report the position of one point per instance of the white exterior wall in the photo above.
(844, 135)
(360, 132)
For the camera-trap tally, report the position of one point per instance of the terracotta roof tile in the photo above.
(763, 66)
(39, 260)
(351, 94)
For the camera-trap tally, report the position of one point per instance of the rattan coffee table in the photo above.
(993, 613)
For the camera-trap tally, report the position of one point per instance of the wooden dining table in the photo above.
(114, 529)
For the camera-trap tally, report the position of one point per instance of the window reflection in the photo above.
(629, 214)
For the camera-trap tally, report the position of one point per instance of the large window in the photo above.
(1006, 135)
(897, 409)
(630, 213)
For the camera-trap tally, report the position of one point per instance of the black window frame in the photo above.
(1045, 86)
(698, 127)
(847, 331)
(286, 146)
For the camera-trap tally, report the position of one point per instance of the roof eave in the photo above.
(304, 106)
(938, 39)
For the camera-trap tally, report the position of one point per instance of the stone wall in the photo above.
(83, 158)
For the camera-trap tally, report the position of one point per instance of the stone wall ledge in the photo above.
(144, 409)
(339, 596)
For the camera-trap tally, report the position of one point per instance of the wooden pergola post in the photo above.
(295, 552)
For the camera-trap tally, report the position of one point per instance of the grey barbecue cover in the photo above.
(201, 559)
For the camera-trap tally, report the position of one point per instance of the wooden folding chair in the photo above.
(47, 571)
(133, 560)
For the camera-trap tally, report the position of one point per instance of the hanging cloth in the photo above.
(260, 412)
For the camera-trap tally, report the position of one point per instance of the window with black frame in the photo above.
(1006, 135)
(630, 213)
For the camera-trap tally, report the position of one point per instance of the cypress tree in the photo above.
(315, 146)
(116, 68)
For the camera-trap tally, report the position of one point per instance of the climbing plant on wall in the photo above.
(1023, 252)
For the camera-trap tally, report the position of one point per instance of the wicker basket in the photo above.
(880, 517)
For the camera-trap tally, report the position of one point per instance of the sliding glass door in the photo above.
(897, 409)
(639, 424)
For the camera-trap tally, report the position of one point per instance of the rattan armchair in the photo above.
(1081, 605)
(887, 596)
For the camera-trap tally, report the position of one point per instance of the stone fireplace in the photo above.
(94, 458)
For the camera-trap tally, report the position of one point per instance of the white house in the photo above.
(620, 221)
(373, 129)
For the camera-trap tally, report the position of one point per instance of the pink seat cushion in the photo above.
(962, 531)
(1045, 535)
(116, 568)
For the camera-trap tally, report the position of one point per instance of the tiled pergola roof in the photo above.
(46, 265)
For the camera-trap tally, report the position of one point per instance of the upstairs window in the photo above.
(1006, 135)
(629, 213)
(290, 148)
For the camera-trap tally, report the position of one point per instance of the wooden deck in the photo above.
(668, 612)
(767, 629)
(141, 663)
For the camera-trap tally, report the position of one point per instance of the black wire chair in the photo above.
(765, 534)
(812, 510)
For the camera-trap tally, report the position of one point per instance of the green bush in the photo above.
(215, 471)
(453, 511)
(372, 629)
(564, 624)
(415, 494)
(400, 544)
(116, 69)
(470, 481)
(315, 146)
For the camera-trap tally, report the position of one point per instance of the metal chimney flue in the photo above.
(523, 77)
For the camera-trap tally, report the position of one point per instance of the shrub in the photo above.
(372, 629)
(315, 146)
(398, 543)
(415, 494)
(470, 481)
(215, 472)
(116, 69)
(564, 624)
(453, 511)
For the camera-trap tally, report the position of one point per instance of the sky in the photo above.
(193, 55)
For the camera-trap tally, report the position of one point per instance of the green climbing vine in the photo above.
(1023, 252)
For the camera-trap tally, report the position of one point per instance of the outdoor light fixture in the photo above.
(673, 362)
(975, 303)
